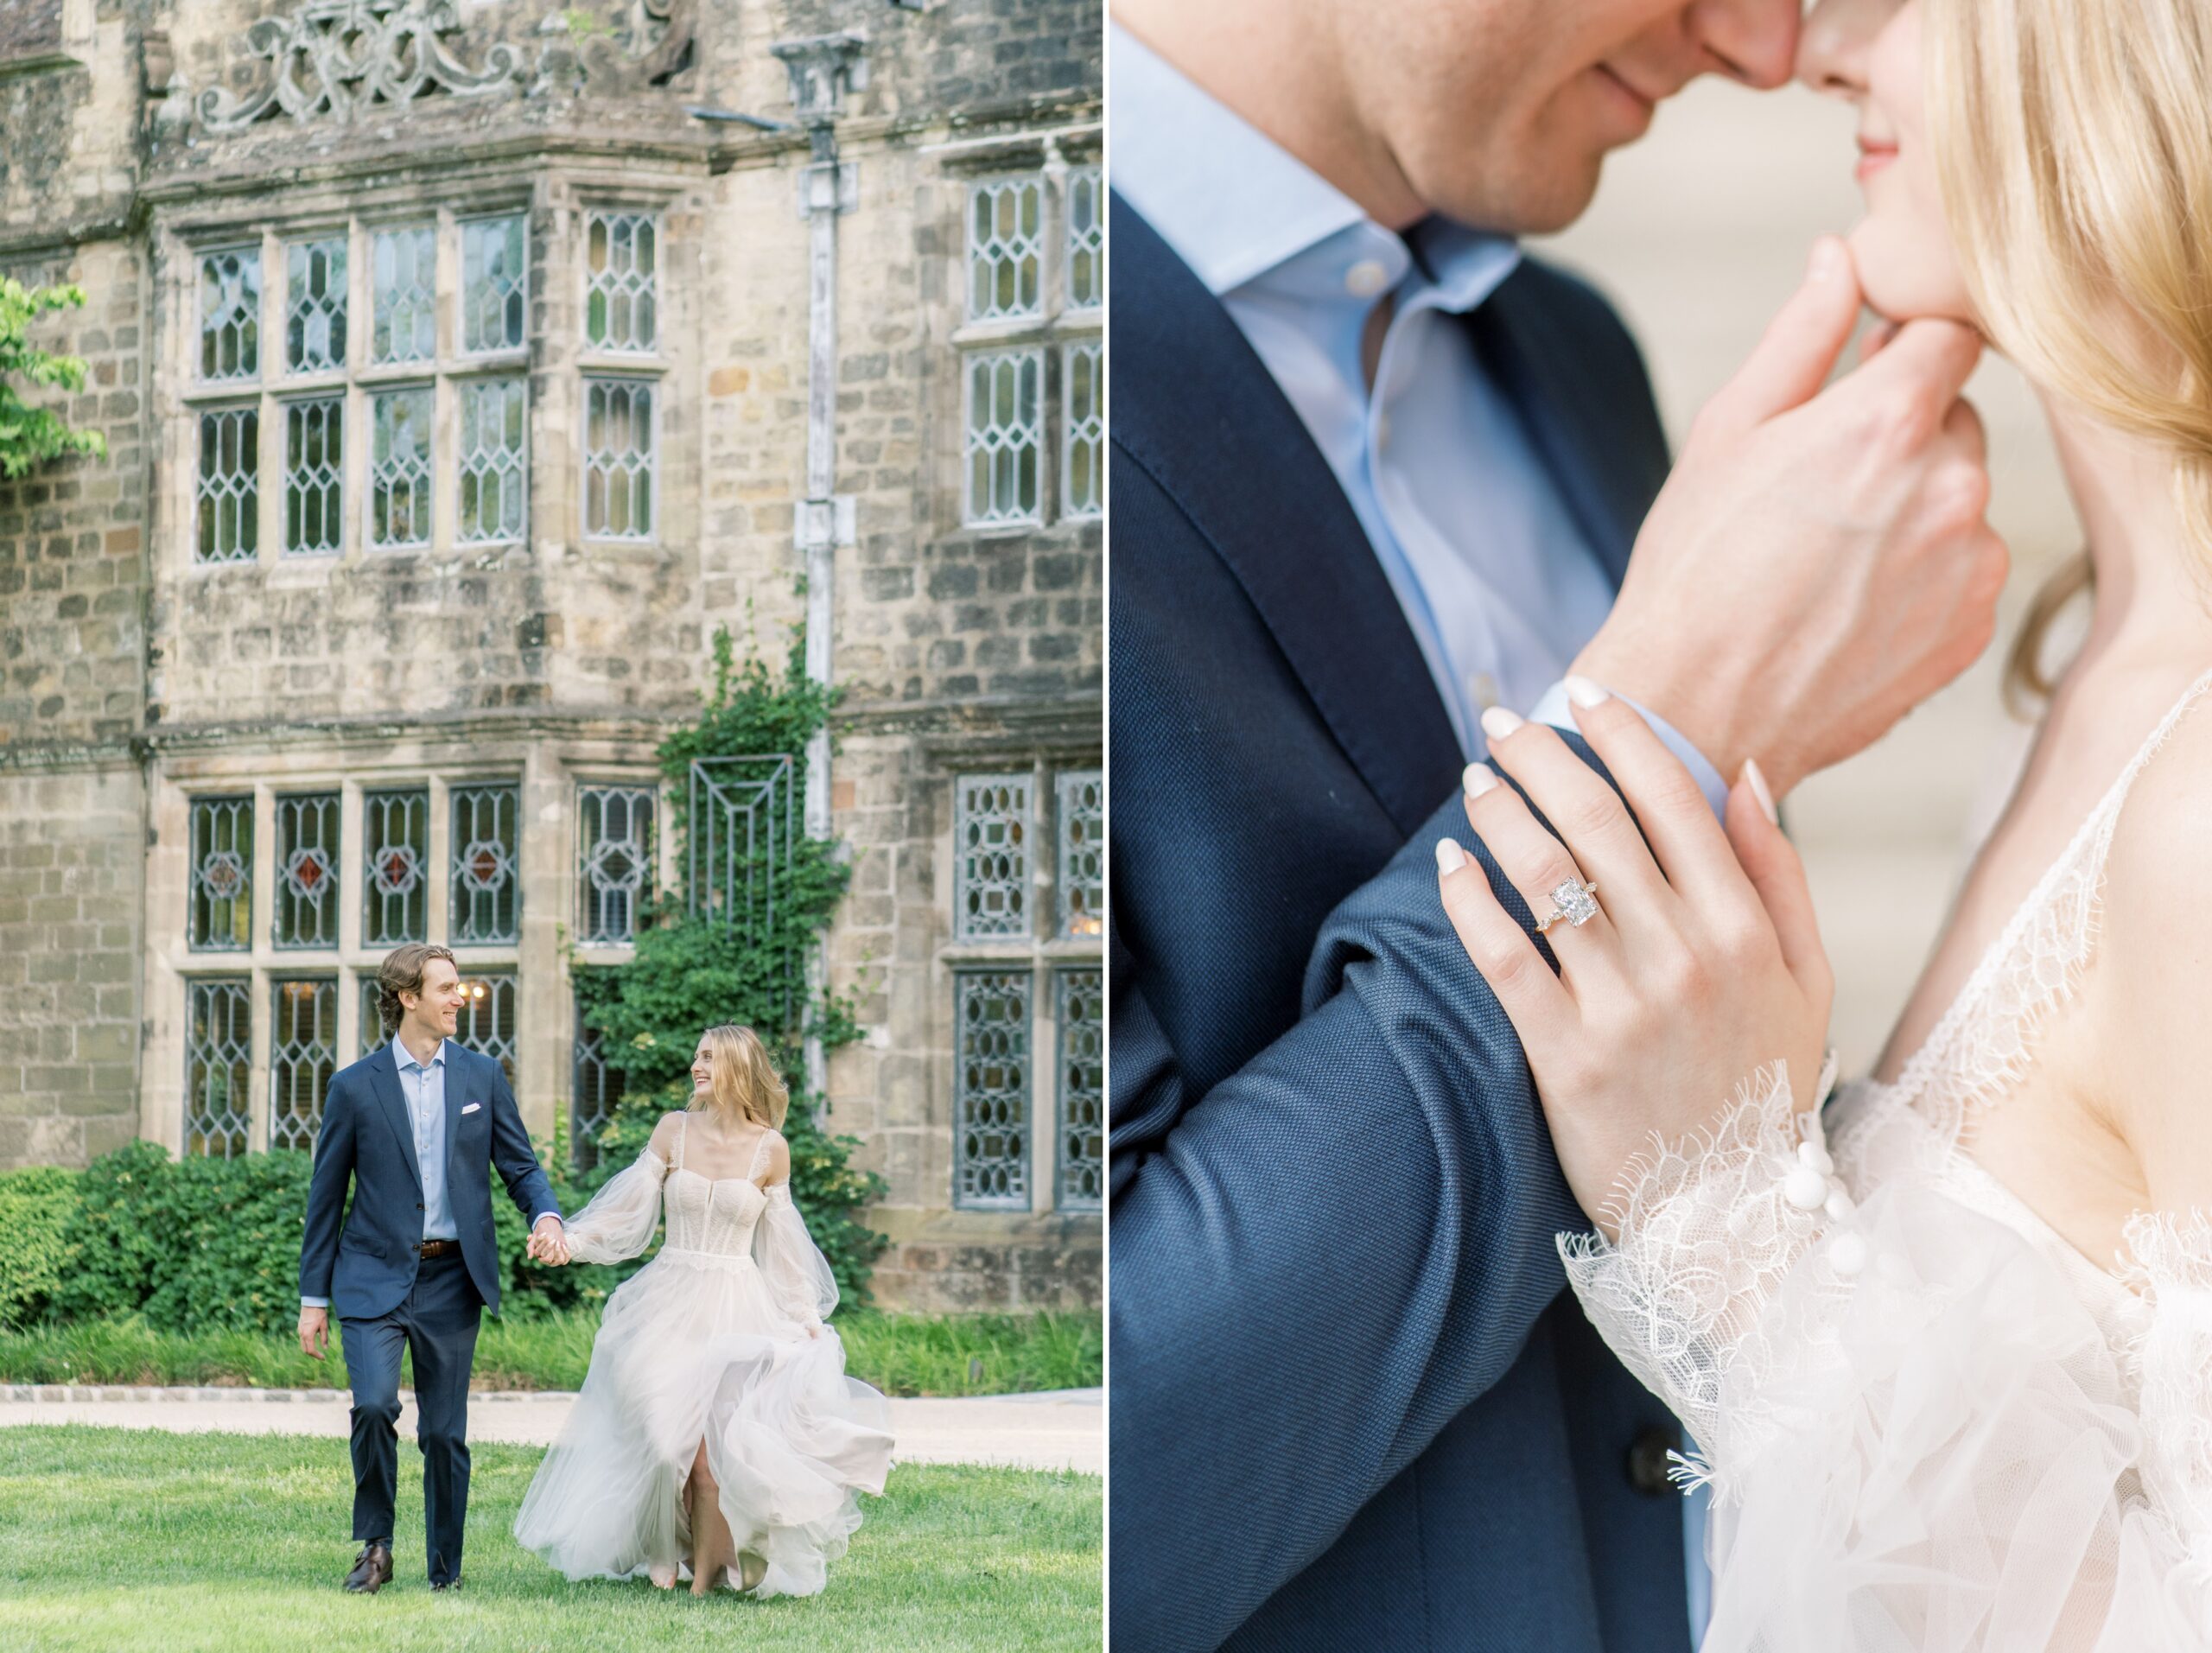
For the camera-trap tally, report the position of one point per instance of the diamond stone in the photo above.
(1575, 902)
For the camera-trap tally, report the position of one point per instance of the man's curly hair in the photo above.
(402, 972)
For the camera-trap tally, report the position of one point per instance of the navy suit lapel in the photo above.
(1536, 356)
(1196, 408)
(384, 1077)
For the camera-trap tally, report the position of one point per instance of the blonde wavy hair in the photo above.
(746, 1085)
(2074, 144)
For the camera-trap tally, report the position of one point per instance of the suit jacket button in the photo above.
(418, 1205)
(1647, 1460)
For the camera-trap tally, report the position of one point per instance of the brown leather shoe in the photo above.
(371, 1570)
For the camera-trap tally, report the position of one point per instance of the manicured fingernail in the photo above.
(1498, 722)
(1757, 780)
(1477, 778)
(1583, 692)
(1450, 858)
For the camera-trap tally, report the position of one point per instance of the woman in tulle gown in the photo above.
(716, 1435)
(1945, 1350)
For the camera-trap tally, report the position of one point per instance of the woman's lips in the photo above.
(1872, 157)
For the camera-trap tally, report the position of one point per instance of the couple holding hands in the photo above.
(716, 1436)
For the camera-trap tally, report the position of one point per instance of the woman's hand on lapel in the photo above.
(1702, 962)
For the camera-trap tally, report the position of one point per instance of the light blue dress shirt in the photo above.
(1496, 578)
(1498, 582)
(424, 1088)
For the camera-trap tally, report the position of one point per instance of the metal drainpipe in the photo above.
(821, 70)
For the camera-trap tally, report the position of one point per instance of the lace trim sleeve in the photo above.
(1708, 1228)
(2169, 1260)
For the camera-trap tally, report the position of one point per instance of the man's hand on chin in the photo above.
(1819, 562)
(315, 1330)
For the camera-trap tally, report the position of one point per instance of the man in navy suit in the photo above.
(1375, 480)
(414, 1127)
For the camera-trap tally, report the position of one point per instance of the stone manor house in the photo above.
(463, 365)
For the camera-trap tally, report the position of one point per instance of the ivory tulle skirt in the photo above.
(694, 1347)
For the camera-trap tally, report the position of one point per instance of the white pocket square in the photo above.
(472, 1107)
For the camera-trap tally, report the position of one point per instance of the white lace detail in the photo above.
(1925, 1416)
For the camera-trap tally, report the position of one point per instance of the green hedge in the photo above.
(202, 1245)
(35, 1209)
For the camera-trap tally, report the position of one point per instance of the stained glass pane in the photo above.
(495, 282)
(399, 469)
(1005, 431)
(403, 281)
(487, 1020)
(494, 460)
(621, 274)
(218, 1066)
(485, 893)
(615, 845)
(1005, 249)
(229, 314)
(396, 831)
(618, 458)
(314, 304)
(220, 914)
(1081, 873)
(1082, 439)
(1081, 1015)
(991, 1146)
(594, 1094)
(314, 467)
(307, 871)
(302, 1058)
(990, 881)
(229, 491)
(1086, 240)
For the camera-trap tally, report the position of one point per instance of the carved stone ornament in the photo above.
(338, 56)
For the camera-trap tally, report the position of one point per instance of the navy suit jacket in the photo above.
(368, 1267)
(1353, 1405)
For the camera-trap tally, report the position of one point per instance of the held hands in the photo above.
(549, 1242)
(1818, 563)
(1700, 966)
(315, 1330)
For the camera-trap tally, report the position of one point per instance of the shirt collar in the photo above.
(405, 1058)
(1237, 206)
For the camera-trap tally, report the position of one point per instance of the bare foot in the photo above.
(664, 1577)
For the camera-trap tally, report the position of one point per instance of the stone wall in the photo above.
(136, 675)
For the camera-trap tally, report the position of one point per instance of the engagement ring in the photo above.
(1575, 901)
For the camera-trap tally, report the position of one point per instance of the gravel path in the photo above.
(1062, 1429)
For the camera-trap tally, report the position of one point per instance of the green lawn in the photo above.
(900, 1354)
(138, 1539)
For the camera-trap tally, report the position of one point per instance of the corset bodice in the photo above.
(717, 1217)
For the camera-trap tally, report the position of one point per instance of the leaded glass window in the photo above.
(307, 871)
(615, 846)
(1083, 438)
(229, 314)
(395, 883)
(621, 273)
(618, 459)
(314, 467)
(485, 894)
(404, 286)
(1086, 240)
(302, 1057)
(991, 1146)
(495, 284)
(494, 460)
(229, 493)
(990, 883)
(372, 1033)
(399, 469)
(1082, 880)
(218, 1066)
(594, 1096)
(487, 1020)
(314, 304)
(1006, 239)
(1005, 436)
(221, 912)
(1080, 1020)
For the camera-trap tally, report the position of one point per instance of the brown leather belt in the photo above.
(436, 1248)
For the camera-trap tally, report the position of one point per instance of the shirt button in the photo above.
(1647, 1461)
(1366, 279)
